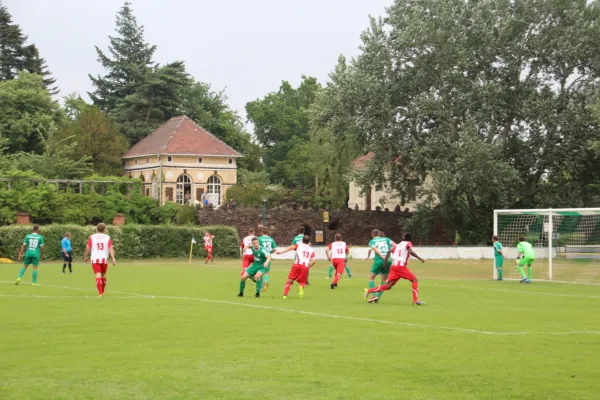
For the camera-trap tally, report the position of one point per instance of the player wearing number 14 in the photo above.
(100, 246)
(33, 245)
(337, 253)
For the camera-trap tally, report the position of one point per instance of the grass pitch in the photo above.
(167, 330)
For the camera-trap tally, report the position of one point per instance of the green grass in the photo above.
(475, 338)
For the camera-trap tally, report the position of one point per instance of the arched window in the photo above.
(213, 191)
(142, 178)
(184, 189)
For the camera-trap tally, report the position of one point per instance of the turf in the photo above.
(167, 330)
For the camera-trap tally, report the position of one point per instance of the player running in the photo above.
(337, 253)
(298, 239)
(257, 269)
(498, 255)
(247, 258)
(304, 260)
(268, 244)
(526, 257)
(100, 245)
(400, 254)
(208, 246)
(381, 246)
(33, 246)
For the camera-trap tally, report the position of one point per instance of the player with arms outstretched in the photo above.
(257, 269)
(526, 257)
(298, 239)
(303, 262)
(381, 246)
(498, 256)
(337, 253)
(268, 244)
(33, 246)
(247, 258)
(208, 246)
(399, 270)
(100, 246)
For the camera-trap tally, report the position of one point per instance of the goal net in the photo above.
(566, 242)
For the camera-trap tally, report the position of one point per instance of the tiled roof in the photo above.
(181, 135)
(361, 161)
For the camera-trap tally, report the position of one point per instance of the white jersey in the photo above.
(208, 241)
(99, 243)
(304, 253)
(400, 254)
(245, 243)
(339, 250)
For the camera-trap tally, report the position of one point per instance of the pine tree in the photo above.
(127, 66)
(16, 56)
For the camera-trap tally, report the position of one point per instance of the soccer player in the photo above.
(268, 244)
(498, 255)
(246, 243)
(257, 269)
(208, 246)
(33, 245)
(381, 246)
(298, 239)
(67, 252)
(400, 254)
(304, 259)
(337, 253)
(100, 245)
(526, 257)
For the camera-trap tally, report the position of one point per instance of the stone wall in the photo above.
(355, 226)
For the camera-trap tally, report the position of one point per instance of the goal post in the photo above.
(566, 242)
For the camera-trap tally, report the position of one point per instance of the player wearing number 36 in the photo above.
(100, 246)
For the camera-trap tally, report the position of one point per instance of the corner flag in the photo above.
(192, 248)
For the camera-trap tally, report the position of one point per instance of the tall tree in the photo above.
(127, 65)
(17, 56)
(27, 113)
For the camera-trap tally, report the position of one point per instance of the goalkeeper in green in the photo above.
(526, 257)
(498, 255)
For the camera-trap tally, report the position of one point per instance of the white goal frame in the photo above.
(549, 212)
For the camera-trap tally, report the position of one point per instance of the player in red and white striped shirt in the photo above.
(337, 253)
(100, 246)
(305, 259)
(208, 246)
(400, 254)
(247, 257)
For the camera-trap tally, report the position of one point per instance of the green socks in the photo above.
(330, 270)
(348, 271)
(242, 286)
(34, 276)
(266, 278)
(499, 273)
(522, 272)
(22, 272)
(529, 273)
(259, 285)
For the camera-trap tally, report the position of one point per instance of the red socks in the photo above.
(99, 286)
(415, 291)
(286, 288)
(103, 284)
(380, 288)
(337, 278)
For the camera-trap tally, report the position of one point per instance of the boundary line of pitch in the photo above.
(129, 295)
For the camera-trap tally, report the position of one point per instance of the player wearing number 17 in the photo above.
(304, 260)
(100, 245)
(34, 244)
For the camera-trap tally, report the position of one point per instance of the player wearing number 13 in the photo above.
(100, 246)
(33, 245)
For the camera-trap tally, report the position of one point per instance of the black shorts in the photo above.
(68, 257)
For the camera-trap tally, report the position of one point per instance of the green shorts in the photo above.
(31, 260)
(378, 267)
(526, 262)
(499, 261)
(255, 268)
(268, 269)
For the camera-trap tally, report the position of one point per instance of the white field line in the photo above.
(316, 314)
(487, 289)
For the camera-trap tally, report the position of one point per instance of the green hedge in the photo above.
(130, 241)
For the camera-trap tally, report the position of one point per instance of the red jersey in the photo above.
(304, 254)
(247, 241)
(99, 243)
(400, 254)
(339, 250)
(208, 240)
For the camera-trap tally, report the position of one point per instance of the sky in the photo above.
(244, 47)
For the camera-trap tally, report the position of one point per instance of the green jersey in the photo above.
(497, 249)
(297, 239)
(267, 243)
(33, 241)
(527, 249)
(260, 255)
(383, 244)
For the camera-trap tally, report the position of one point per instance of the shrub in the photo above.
(130, 241)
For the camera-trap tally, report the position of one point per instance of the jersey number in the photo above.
(100, 246)
(383, 247)
(267, 246)
(306, 254)
(33, 244)
(340, 251)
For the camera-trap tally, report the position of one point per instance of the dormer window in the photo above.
(200, 160)
(169, 159)
(231, 161)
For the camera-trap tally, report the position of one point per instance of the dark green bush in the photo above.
(130, 241)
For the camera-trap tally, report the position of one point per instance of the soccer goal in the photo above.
(566, 241)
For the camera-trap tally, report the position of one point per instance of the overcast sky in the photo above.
(245, 47)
